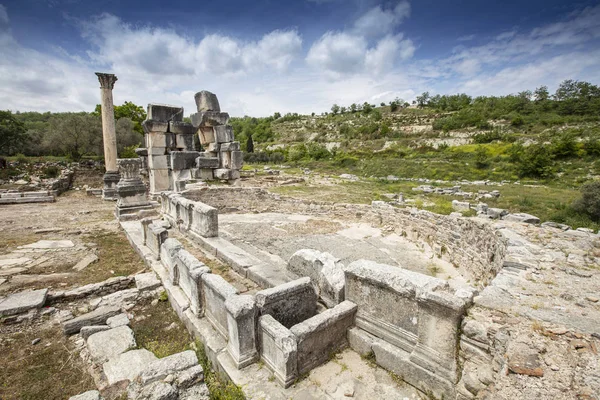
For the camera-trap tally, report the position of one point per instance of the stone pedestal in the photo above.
(111, 179)
(109, 135)
(131, 191)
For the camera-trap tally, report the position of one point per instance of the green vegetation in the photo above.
(220, 388)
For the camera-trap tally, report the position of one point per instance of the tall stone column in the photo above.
(111, 177)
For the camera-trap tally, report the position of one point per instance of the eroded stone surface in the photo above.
(128, 365)
(104, 346)
(23, 301)
(49, 244)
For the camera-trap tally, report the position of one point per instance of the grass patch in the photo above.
(220, 389)
(160, 331)
(48, 370)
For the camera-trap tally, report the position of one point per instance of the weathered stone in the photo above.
(151, 126)
(49, 244)
(158, 391)
(207, 101)
(183, 159)
(88, 331)
(461, 205)
(325, 272)
(128, 365)
(209, 118)
(216, 291)
(104, 346)
(89, 395)
(118, 320)
(241, 321)
(190, 376)
(230, 146)
(223, 134)
(164, 113)
(85, 262)
(525, 363)
(23, 301)
(182, 128)
(197, 392)
(147, 281)
(222, 173)
(289, 303)
(237, 159)
(205, 220)
(207, 162)
(159, 369)
(522, 217)
(278, 350)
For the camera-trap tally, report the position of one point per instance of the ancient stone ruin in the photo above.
(172, 160)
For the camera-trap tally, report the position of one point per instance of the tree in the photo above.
(541, 94)
(74, 134)
(12, 133)
(353, 107)
(249, 145)
(343, 110)
(423, 99)
(276, 115)
(589, 203)
(127, 136)
(335, 109)
(127, 110)
(367, 108)
(382, 104)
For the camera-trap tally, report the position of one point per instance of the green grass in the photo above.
(220, 388)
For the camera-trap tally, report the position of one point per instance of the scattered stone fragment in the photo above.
(147, 281)
(35, 341)
(89, 395)
(198, 392)
(85, 262)
(118, 320)
(96, 317)
(158, 391)
(522, 217)
(592, 299)
(23, 301)
(11, 262)
(127, 365)
(88, 331)
(47, 230)
(49, 244)
(160, 369)
(525, 363)
(190, 376)
(104, 346)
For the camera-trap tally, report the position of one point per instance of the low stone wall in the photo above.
(108, 286)
(189, 215)
(26, 197)
(289, 303)
(412, 323)
(473, 245)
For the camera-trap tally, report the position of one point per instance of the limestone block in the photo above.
(237, 160)
(155, 237)
(157, 151)
(183, 128)
(22, 301)
(168, 256)
(361, 341)
(323, 334)
(184, 141)
(216, 291)
(207, 162)
(241, 321)
(325, 272)
(157, 126)
(209, 118)
(160, 180)
(522, 217)
(206, 134)
(207, 101)
(104, 346)
(223, 133)
(213, 147)
(235, 174)
(205, 220)
(206, 174)
(165, 113)
(89, 395)
(147, 281)
(159, 139)
(190, 376)
(190, 270)
(118, 320)
(222, 173)
(278, 350)
(181, 175)
(172, 364)
(183, 159)
(88, 331)
(461, 205)
(225, 158)
(128, 365)
(96, 317)
(289, 303)
(230, 146)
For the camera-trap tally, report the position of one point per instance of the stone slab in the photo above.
(96, 317)
(128, 365)
(104, 346)
(85, 262)
(118, 320)
(88, 331)
(89, 395)
(146, 281)
(23, 301)
(159, 369)
(49, 244)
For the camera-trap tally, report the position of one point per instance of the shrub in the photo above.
(482, 158)
(129, 151)
(564, 146)
(536, 161)
(488, 137)
(22, 159)
(51, 172)
(592, 147)
(589, 203)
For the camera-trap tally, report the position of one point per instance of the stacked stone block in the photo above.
(169, 142)
(222, 158)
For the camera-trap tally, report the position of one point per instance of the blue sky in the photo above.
(264, 56)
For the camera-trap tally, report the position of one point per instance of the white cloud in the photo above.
(379, 21)
(466, 38)
(338, 53)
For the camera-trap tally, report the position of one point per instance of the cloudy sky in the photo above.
(263, 56)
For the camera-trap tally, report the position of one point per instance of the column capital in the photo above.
(107, 81)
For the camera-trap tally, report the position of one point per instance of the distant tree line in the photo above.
(73, 135)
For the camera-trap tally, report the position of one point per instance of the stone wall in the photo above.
(190, 215)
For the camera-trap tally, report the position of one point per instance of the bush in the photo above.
(535, 161)
(488, 137)
(22, 159)
(589, 203)
(482, 158)
(564, 146)
(51, 172)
